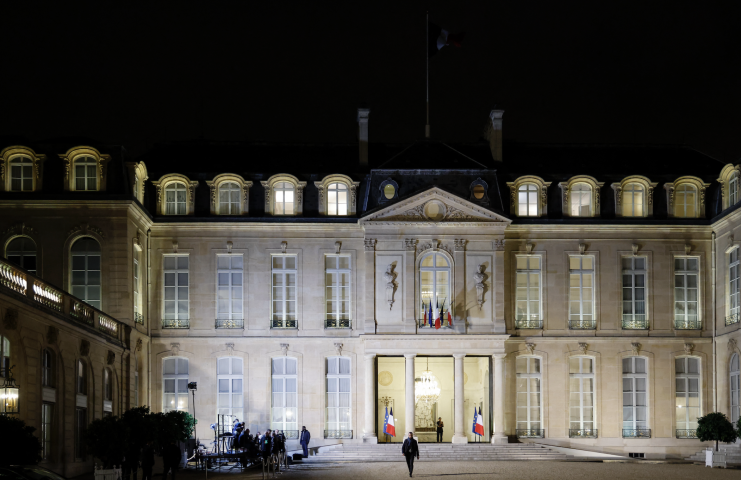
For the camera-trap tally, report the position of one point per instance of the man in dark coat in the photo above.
(131, 461)
(266, 444)
(171, 457)
(304, 441)
(410, 449)
(147, 461)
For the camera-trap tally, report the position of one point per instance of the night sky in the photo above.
(653, 72)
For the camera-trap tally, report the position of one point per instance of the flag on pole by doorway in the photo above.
(388, 423)
(478, 423)
(437, 38)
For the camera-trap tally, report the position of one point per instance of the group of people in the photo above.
(134, 458)
(272, 442)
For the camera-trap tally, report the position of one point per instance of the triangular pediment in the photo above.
(435, 207)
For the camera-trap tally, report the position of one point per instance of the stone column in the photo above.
(460, 435)
(409, 400)
(499, 436)
(369, 299)
(370, 400)
(460, 311)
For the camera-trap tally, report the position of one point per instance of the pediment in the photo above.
(435, 207)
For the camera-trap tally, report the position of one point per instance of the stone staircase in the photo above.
(435, 452)
(733, 454)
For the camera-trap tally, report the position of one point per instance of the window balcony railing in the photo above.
(731, 319)
(635, 322)
(19, 282)
(688, 324)
(290, 434)
(687, 433)
(426, 325)
(582, 324)
(588, 433)
(534, 323)
(636, 433)
(337, 323)
(530, 433)
(230, 323)
(139, 318)
(283, 324)
(338, 434)
(175, 323)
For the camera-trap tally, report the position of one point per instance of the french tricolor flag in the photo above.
(388, 423)
(437, 38)
(478, 425)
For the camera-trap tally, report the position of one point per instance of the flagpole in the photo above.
(427, 76)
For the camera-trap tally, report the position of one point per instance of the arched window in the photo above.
(685, 199)
(529, 397)
(175, 384)
(527, 200)
(86, 175)
(86, 283)
(176, 199)
(21, 174)
(581, 397)
(635, 398)
(47, 368)
(734, 390)
(581, 200)
(733, 190)
(230, 195)
(338, 398)
(81, 378)
(337, 199)
(22, 252)
(633, 200)
(284, 414)
(284, 198)
(434, 283)
(4, 356)
(687, 411)
(230, 390)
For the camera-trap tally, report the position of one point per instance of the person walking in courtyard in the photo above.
(304, 441)
(171, 457)
(409, 449)
(440, 426)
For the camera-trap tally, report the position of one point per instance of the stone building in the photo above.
(587, 295)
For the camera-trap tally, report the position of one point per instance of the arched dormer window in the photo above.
(22, 252)
(20, 169)
(581, 197)
(686, 197)
(175, 194)
(137, 176)
(435, 287)
(229, 194)
(284, 195)
(729, 185)
(85, 169)
(388, 191)
(479, 192)
(337, 195)
(634, 197)
(528, 196)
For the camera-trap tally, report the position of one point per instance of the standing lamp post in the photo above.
(193, 386)
(9, 394)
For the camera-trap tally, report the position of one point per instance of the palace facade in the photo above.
(584, 296)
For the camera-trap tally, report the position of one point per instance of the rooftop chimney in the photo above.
(495, 134)
(363, 114)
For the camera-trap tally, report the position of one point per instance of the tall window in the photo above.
(687, 411)
(136, 387)
(231, 393)
(284, 192)
(284, 291)
(581, 200)
(733, 285)
(4, 356)
(86, 271)
(581, 397)
(47, 368)
(230, 195)
(47, 414)
(176, 288)
(527, 200)
(285, 392)
(230, 290)
(81, 378)
(175, 384)
(338, 397)
(581, 291)
(527, 314)
(138, 317)
(338, 290)
(633, 200)
(733, 190)
(434, 282)
(685, 197)
(635, 398)
(634, 292)
(21, 174)
(107, 393)
(176, 199)
(529, 400)
(80, 429)
(735, 389)
(337, 199)
(686, 272)
(22, 252)
(86, 177)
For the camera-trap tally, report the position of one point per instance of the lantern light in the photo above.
(9, 394)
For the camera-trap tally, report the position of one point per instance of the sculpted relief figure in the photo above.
(390, 285)
(479, 277)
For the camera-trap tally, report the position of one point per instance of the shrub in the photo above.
(715, 427)
(18, 444)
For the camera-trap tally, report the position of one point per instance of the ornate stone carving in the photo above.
(353, 196)
(702, 197)
(635, 249)
(370, 244)
(688, 347)
(499, 244)
(52, 335)
(730, 240)
(543, 198)
(619, 196)
(479, 277)
(19, 229)
(732, 344)
(390, 276)
(596, 201)
(283, 246)
(433, 245)
(230, 348)
(338, 349)
(583, 347)
(459, 244)
(636, 348)
(321, 194)
(158, 194)
(84, 348)
(110, 357)
(385, 378)
(86, 229)
(299, 198)
(566, 197)
(175, 348)
(687, 248)
(174, 246)
(10, 320)
(410, 244)
(284, 349)
(229, 246)
(337, 247)
(139, 345)
(582, 248)
(528, 247)
(671, 198)
(530, 347)
(650, 196)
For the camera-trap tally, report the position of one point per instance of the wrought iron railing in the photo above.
(693, 324)
(530, 433)
(283, 324)
(588, 433)
(731, 319)
(532, 323)
(338, 434)
(631, 322)
(290, 434)
(229, 323)
(337, 323)
(139, 318)
(636, 433)
(176, 323)
(582, 324)
(686, 433)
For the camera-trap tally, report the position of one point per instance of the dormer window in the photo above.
(86, 176)
(633, 200)
(284, 199)
(175, 199)
(528, 196)
(729, 179)
(733, 189)
(581, 200)
(685, 199)
(337, 195)
(337, 199)
(527, 200)
(175, 194)
(634, 197)
(581, 196)
(20, 169)
(283, 195)
(230, 195)
(21, 174)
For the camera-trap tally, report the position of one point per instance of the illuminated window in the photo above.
(86, 279)
(338, 290)
(47, 417)
(284, 394)
(581, 291)
(687, 409)
(86, 175)
(81, 378)
(230, 272)
(529, 399)
(733, 284)
(22, 252)
(478, 192)
(229, 377)
(175, 384)
(685, 201)
(635, 395)
(337, 199)
(434, 284)
(634, 289)
(733, 190)
(176, 271)
(138, 315)
(389, 191)
(175, 199)
(527, 200)
(21, 174)
(581, 396)
(686, 281)
(581, 200)
(633, 200)
(284, 291)
(4, 356)
(338, 396)
(527, 307)
(230, 195)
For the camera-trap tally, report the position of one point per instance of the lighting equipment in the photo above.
(9, 394)
(426, 387)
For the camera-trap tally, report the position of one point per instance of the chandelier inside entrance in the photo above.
(426, 387)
